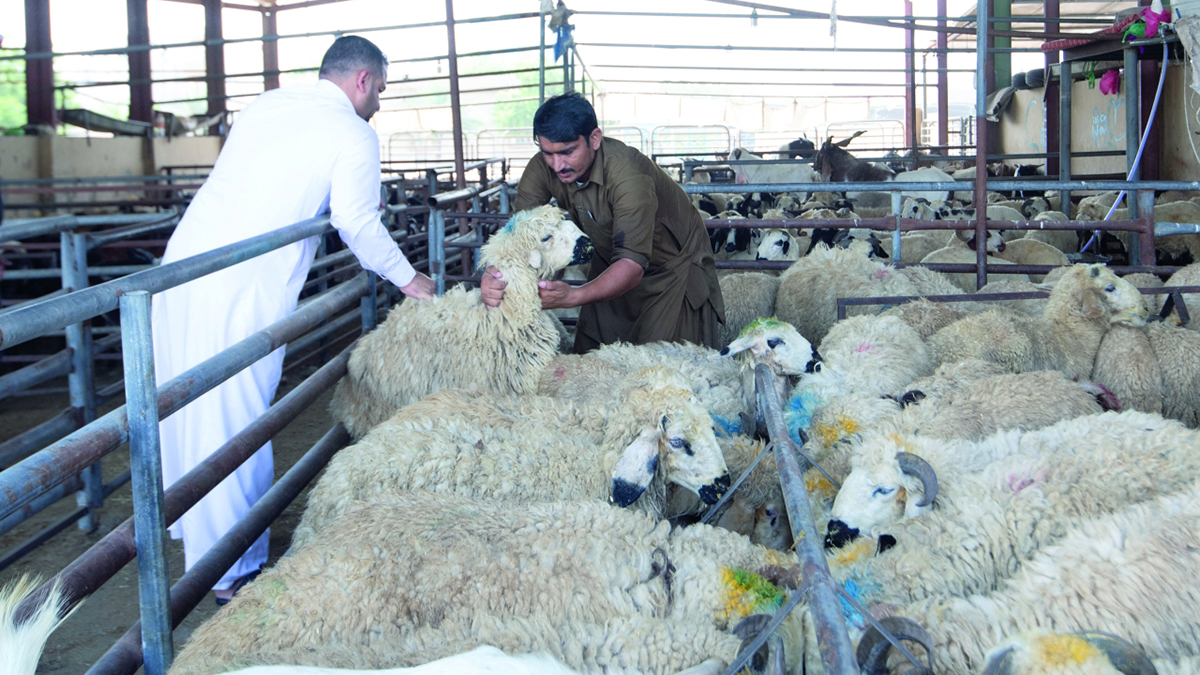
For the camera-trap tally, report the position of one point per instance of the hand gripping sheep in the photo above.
(455, 342)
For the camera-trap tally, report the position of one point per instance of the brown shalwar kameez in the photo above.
(632, 209)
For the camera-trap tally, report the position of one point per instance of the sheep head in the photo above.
(778, 245)
(887, 483)
(778, 345)
(546, 239)
(676, 438)
(1041, 651)
(1094, 291)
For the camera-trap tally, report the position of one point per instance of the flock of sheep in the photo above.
(1011, 478)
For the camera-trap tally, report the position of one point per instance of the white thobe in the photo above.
(293, 153)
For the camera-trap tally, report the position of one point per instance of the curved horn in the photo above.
(748, 629)
(1000, 663)
(873, 647)
(1122, 654)
(776, 661)
(915, 466)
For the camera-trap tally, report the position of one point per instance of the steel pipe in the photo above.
(27, 323)
(23, 445)
(67, 487)
(125, 657)
(48, 368)
(837, 653)
(21, 483)
(104, 559)
(145, 466)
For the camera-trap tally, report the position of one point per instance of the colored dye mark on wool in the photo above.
(1064, 650)
(728, 427)
(747, 593)
(798, 412)
(832, 432)
(760, 324)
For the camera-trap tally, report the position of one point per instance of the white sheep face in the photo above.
(1121, 299)
(877, 493)
(678, 440)
(778, 245)
(559, 242)
(778, 345)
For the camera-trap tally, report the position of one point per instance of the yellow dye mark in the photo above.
(816, 481)
(832, 432)
(854, 552)
(1061, 650)
(747, 593)
(904, 444)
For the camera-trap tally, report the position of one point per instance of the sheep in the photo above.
(502, 351)
(927, 317)
(1011, 283)
(785, 172)
(1041, 652)
(808, 290)
(1080, 467)
(1028, 251)
(778, 244)
(748, 296)
(1188, 276)
(1178, 354)
(532, 449)
(1066, 241)
(426, 575)
(965, 281)
(483, 660)
(1133, 573)
(1082, 305)
(22, 642)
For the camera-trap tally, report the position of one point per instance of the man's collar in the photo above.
(328, 88)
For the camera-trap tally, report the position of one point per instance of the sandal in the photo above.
(237, 586)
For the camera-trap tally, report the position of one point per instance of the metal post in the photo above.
(1064, 132)
(1145, 238)
(910, 86)
(39, 73)
(504, 206)
(1001, 59)
(897, 202)
(1051, 95)
(145, 465)
(368, 303)
(541, 56)
(437, 250)
(214, 61)
(141, 103)
(1133, 132)
(981, 125)
(943, 81)
(270, 49)
(81, 378)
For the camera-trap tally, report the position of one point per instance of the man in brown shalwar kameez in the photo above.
(653, 276)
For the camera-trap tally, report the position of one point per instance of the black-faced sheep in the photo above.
(527, 449)
(429, 575)
(455, 341)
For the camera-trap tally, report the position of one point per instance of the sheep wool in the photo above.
(454, 341)
(927, 317)
(430, 575)
(525, 449)
(1082, 306)
(748, 296)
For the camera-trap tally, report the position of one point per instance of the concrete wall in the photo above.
(24, 157)
(1098, 123)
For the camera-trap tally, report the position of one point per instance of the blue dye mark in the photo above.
(848, 611)
(798, 412)
(730, 427)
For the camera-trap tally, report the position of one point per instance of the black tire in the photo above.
(1035, 79)
(1018, 81)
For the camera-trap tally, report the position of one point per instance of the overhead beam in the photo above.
(39, 73)
(141, 101)
(270, 48)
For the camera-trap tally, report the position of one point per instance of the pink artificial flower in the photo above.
(1110, 83)
(1153, 18)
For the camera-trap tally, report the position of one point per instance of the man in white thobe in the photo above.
(292, 154)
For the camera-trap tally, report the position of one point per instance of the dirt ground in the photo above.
(108, 613)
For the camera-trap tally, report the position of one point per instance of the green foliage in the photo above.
(12, 92)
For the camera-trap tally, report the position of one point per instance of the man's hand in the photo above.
(421, 288)
(555, 295)
(491, 287)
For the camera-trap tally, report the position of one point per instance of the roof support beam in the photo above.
(141, 102)
(214, 59)
(39, 73)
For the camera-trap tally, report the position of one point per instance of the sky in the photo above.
(806, 89)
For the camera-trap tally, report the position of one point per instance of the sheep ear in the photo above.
(1092, 305)
(754, 343)
(635, 469)
(535, 258)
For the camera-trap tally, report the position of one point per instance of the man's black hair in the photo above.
(564, 118)
(350, 54)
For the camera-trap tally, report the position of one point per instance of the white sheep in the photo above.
(427, 575)
(483, 660)
(1132, 573)
(1066, 241)
(455, 340)
(780, 244)
(783, 172)
(748, 296)
(525, 449)
(965, 281)
(1026, 251)
(22, 642)
(808, 290)
(1080, 467)
(1082, 305)
(1187, 276)
(1041, 652)
(927, 317)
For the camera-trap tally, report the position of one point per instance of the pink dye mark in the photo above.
(559, 373)
(866, 347)
(879, 274)
(1018, 482)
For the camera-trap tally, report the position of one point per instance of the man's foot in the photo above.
(225, 595)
